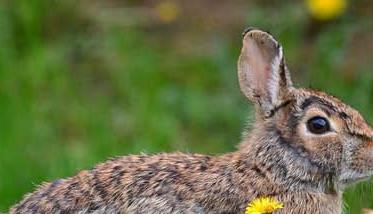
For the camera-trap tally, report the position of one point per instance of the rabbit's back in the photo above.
(164, 183)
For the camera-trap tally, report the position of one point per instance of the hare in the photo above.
(304, 148)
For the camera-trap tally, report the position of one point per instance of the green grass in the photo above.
(76, 89)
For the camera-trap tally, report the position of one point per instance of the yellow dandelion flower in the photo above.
(265, 205)
(326, 9)
(167, 11)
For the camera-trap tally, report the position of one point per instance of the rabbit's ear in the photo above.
(262, 72)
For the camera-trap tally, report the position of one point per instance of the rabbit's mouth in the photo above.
(349, 181)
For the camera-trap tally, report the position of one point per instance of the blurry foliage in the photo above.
(81, 81)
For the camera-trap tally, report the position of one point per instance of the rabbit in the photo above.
(304, 148)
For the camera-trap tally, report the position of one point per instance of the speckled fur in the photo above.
(277, 158)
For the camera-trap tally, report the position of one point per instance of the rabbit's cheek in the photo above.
(326, 150)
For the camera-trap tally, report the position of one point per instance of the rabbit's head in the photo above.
(317, 134)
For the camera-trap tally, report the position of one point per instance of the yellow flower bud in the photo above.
(167, 11)
(326, 9)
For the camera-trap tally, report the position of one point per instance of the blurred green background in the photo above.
(81, 81)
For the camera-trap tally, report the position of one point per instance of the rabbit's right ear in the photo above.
(262, 72)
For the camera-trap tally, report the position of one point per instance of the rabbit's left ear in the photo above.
(262, 72)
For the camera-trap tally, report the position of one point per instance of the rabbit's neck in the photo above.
(253, 179)
(284, 165)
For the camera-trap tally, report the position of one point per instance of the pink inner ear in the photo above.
(259, 66)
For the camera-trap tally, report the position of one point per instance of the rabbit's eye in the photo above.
(318, 125)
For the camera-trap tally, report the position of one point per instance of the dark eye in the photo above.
(318, 125)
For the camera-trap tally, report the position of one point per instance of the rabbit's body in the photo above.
(304, 148)
(171, 183)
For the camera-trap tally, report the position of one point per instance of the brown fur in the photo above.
(279, 157)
